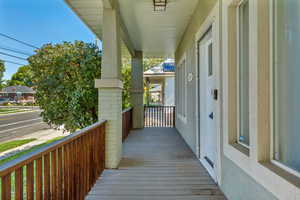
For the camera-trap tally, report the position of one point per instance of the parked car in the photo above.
(4, 100)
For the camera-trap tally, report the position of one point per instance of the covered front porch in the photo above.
(158, 165)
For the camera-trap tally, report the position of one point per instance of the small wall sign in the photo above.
(190, 77)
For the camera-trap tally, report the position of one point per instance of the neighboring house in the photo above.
(20, 94)
(160, 81)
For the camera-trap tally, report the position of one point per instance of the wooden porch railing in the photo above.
(127, 122)
(159, 116)
(66, 169)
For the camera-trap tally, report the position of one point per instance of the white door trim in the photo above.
(213, 20)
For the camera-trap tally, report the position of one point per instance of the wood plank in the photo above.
(59, 174)
(39, 179)
(19, 184)
(66, 172)
(6, 187)
(47, 177)
(29, 158)
(54, 175)
(29, 181)
(157, 165)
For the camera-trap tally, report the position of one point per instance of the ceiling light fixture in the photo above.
(160, 5)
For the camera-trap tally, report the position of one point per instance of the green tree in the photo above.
(2, 70)
(126, 75)
(23, 76)
(64, 75)
(151, 62)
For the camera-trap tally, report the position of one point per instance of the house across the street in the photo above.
(18, 93)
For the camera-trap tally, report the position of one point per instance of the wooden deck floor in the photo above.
(157, 165)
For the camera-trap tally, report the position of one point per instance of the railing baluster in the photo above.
(19, 184)
(59, 174)
(169, 118)
(86, 178)
(163, 116)
(39, 179)
(6, 187)
(65, 169)
(53, 174)
(159, 116)
(47, 176)
(72, 191)
(66, 172)
(29, 182)
(156, 116)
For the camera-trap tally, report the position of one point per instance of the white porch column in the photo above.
(110, 88)
(137, 90)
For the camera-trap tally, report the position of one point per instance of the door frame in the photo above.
(212, 21)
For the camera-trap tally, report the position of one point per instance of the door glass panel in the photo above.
(210, 60)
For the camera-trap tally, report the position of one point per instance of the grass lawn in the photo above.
(13, 144)
(3, 161)
(4, 111)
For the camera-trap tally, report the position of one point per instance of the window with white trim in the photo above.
(243, 72)
(181, 106)
(286, 83)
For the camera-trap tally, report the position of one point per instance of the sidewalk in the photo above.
(41, 136)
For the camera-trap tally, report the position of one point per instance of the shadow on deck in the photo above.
(157, 165)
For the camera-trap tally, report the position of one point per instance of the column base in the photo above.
(110, 109)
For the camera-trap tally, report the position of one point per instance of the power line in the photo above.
(12, 62)
(6, 54)
(15, 51)
(24, 43)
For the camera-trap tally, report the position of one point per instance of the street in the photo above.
(17, 125)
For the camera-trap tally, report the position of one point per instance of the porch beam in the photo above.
(137, 90)
(108, 3)
(110, 88)
(126, 38)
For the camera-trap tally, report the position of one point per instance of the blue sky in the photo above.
(37, 22)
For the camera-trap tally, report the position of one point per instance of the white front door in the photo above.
(208, 103)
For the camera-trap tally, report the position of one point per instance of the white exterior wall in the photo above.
(186, 50)
(250, 175)
(170, 91)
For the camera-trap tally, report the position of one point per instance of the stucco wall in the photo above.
(169, 91)
(187, 48)
(237, 185)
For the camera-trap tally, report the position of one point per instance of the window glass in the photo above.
(183, 85)
(243, 72)
(287, 82)
(182, 89)
(210, 60)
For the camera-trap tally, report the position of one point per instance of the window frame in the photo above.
(257, 163)
(182, 71)
(273, 84)
(238, 67)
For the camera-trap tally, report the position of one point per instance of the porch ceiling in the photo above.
(154, 33)
(90, 12)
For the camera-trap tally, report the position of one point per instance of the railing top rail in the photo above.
(24, 160)
(158, 106)
(126, 110)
